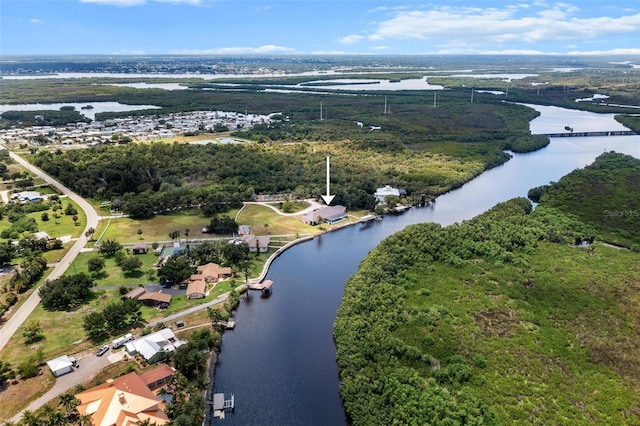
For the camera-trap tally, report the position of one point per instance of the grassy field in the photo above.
(62, 226)
(124, 229)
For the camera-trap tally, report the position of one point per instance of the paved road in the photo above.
(21, 315)
(88, 366)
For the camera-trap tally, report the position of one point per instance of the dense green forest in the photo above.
(498, 320)
(159, 177)
(605, 195)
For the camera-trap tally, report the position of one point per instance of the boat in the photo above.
(87, 107)
(570, 129)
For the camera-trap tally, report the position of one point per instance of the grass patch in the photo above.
(263, 220)
(113, 276)
(124, 229)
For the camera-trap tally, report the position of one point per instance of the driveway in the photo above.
(89, 364)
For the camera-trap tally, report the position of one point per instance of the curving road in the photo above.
(21, 315)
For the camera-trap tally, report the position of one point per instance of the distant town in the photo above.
(144, 128)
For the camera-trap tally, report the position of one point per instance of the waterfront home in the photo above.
(159, 376)
(151, 345)
(257, 243)
(126, 400)
(328, 214)
(213, 272)
(387, 190)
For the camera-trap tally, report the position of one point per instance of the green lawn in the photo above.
(113, 275)
(59, 227)
(124, 229)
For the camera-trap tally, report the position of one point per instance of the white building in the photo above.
(382, 193)
(61, 365)
(152, 344)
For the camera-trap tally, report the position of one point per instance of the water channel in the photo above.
(279, 362)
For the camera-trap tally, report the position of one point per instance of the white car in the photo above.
(102, 350)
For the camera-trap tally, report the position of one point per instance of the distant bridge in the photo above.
(586, 134)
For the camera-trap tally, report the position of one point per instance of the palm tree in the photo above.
(215, 316)
(162, 393)
(30, 419)
(69, 402)
(85, 420)
(55, 418)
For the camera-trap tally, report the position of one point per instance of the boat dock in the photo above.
(264, 286)
(221, 405)
(370, 218)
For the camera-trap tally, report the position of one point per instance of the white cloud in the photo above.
(632, 51)
(129, 52)
(381, 48)
(351, 39)
(269, 48)
(479, 27)
(35, 21)
(129, 3)
(330, 52)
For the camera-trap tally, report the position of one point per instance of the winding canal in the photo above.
(280, 359)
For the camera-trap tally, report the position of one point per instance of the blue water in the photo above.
(280, 359)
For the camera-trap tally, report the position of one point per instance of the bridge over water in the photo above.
(586, 134)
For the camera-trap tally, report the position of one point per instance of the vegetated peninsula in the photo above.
(501, 319)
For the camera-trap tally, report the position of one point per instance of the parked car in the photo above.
(102, 350)
(74, 361)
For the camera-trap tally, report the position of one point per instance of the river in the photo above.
(279, 362)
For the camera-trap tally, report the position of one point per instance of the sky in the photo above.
(301, 27)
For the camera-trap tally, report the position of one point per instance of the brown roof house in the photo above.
(140, 248)
(159, 376)
(196, 289)
(211, 272)
(155, 298)
(256, 243)
(124, 401)
(135, 293)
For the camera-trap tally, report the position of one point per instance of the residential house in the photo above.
(212, 272)
(244, 230)
(328, 214)
(382, 193)
(158, 377)
(27, 196)
(139, 248)
(151, 345)
(135, 293)
(123, 401)
(155, 298)
(196, 289)
(257, 243)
